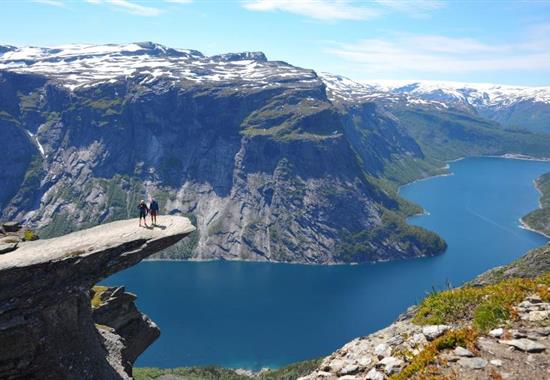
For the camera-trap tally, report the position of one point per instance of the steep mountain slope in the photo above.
(267, 162)
(253, 150)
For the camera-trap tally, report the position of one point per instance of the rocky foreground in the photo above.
(497, 327)
(48, 328)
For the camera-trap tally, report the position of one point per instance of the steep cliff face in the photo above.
(253, 150)
(48, 329)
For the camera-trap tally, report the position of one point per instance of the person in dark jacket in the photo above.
(143, 210)
(153, 210)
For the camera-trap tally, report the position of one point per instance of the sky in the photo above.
(491, 41)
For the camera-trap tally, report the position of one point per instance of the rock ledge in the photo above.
(47, 327)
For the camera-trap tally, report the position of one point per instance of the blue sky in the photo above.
(463, 40)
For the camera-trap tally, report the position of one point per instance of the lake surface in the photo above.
(254, 315)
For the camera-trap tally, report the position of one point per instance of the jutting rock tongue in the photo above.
(47, 327)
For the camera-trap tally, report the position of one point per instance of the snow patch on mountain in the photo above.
(436, 93)
(80, 66)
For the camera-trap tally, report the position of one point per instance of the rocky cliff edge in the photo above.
(48, 328)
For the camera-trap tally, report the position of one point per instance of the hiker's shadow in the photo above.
(159, 226)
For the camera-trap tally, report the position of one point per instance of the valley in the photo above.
(222, 313)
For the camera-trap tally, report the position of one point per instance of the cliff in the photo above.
(252, 150)
(48, 327)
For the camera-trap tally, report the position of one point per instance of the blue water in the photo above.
(253, 315)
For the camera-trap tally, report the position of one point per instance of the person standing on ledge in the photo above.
(143, 210)
(154, 209)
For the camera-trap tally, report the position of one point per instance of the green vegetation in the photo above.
(448, 135)
(105, 104)
(408, 239)
(287, 118)
(420, 364)
(290, 372)
(29, 235)
(540, 219)
(486, 307)
(97, 291)
(192, 373)
(534, 263)
(29, 102)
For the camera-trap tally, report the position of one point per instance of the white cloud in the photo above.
(133, 7)
(129, 7)
(415, 8)
(317, 9)
(136, 9)
(53, 3)
(415, 54)
(344, 9)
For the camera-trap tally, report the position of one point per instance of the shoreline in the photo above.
(523, 224)
(447, 166)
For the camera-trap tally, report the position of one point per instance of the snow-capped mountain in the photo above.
(81, 66)
(475, 94)
(518, 106)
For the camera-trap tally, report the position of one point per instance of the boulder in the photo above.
(524, 344)
(434, 331)
(461, 351)
(382, 350)
(472, 363)
(391, 364)
(373, 374)
(7, 247)
(496, 333)
(11, 226)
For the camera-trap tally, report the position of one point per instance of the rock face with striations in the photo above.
(252, 149)
(47, 327)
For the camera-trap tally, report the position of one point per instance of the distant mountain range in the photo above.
(272, 162)
(513, 106)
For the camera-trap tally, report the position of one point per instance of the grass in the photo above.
(192, 373)
(290, 372)
(97, 292)
(29, 235)
(420, 363)
(485, 307)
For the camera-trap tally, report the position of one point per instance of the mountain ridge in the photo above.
(255, 151)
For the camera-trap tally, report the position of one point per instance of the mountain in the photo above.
(521, 107)
(268, 163)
